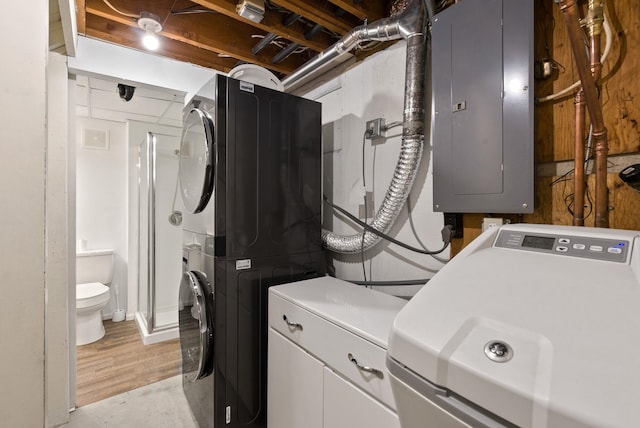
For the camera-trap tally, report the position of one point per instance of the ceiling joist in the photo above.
(321, 12)
(121, 34)
(271, 23)
(81, 17)
(369, 10)
(212, 32)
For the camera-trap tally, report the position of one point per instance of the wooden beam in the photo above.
(121, 34)
(319, 12)
(371, 10)
(220, 34)
(213, 32)
(271, 23)
(81, 17)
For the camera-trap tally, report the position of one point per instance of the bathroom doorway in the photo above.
(107, 205)
(159, 237)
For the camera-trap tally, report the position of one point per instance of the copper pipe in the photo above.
(571, 20)
(595, 18)
(578, 160)
(594, 22)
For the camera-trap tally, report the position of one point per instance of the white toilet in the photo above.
(94, 270)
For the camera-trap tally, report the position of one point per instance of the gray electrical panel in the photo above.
(482, 62)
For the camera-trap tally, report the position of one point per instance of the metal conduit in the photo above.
(409, 25)
(284, 53)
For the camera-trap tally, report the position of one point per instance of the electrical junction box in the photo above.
(375, 128)
(482, 62)
(251, 9)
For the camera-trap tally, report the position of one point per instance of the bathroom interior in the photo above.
(128, 209)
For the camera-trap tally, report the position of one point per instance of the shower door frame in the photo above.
(150, 314)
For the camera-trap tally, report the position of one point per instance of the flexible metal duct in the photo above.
(409, 25)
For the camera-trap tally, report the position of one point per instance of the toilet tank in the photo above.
(94, 266)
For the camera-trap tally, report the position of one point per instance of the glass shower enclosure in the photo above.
(160, 235)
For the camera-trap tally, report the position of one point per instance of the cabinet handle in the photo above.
(292, 325)
(371, 370)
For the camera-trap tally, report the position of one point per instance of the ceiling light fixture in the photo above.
(150, 23)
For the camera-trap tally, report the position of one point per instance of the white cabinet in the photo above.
(327, 352)
(346, 406)
(295, 385)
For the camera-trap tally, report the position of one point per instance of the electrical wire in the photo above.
(277, 8)
(364, 232)
(587, 152)
(607, 48)
(446, 231)
(393, 283)
(192, 10)
(129, 15)
(281, 44)
(368, 46)
(569, 199)
(166, 18)
(415, 233)
(364, 186)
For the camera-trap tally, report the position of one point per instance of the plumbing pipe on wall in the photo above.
(409, 25)
(579, 160)
(571, 19)
(594, 23)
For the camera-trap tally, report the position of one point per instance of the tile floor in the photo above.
(158, 405)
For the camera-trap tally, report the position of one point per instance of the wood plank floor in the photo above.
(120, 362)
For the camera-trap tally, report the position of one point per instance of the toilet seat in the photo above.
(91, 294)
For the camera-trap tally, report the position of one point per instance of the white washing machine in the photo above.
(529, 326)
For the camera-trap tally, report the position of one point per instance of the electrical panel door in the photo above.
(482, 62)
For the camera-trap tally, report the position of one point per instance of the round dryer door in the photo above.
(196, 168)
(195, 315)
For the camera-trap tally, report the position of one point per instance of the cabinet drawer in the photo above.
(336, 346)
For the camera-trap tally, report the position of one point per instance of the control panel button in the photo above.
(564, 240)
(614, 250)
(562, 249)
(596, 248)
(579, 246)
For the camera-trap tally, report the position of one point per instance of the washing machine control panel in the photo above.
(612, 250)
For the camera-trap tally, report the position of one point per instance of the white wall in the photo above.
(101, 199)
(372, 89)
(59, 274)
(22, 217)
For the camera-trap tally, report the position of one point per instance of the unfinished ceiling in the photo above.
(211, 33)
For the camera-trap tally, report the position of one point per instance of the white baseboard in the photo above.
(156, 337)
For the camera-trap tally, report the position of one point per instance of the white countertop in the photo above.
(362, 311)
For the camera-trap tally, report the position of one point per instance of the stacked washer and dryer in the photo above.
(250, 180)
